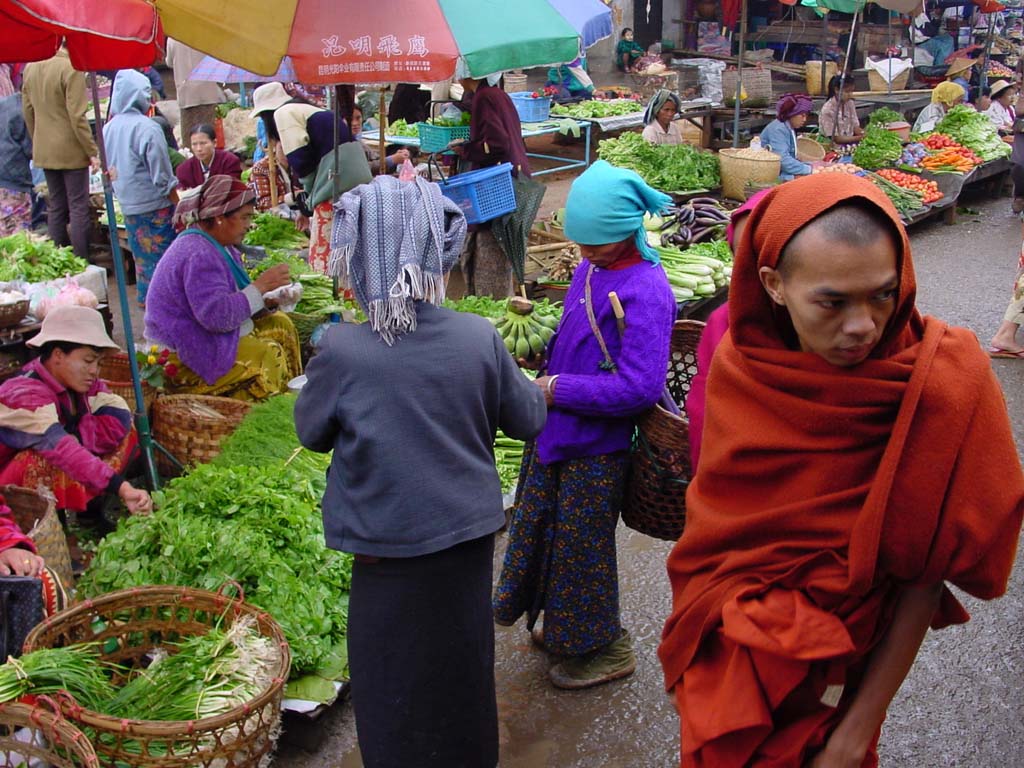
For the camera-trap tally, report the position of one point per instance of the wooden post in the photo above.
(739, 74)
(272, 164)
(824, 52)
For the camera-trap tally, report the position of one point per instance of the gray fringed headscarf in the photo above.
(660, 98)
(393, 243)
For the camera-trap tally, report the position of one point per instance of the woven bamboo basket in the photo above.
(36, 515)
(116, 372)
(514, 82)
(877, 83)
(660, 471)
(812, 74)
(14, 313)
(129, 626)
(737, 172)
(35, 736)
(191, 428)
(809, 150)
(757, 82)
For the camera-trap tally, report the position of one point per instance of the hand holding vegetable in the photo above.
(136, 499)
(274, 278)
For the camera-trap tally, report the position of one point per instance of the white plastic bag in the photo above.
(71, 294)
(287, 296)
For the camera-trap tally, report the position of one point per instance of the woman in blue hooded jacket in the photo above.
(780, 134)
(141, 173)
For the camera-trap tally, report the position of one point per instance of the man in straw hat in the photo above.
(60, 427)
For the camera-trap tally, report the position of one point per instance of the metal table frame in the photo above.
(529, 130)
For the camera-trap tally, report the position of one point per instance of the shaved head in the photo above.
(858, 225)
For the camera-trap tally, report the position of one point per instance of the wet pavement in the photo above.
(963, 702)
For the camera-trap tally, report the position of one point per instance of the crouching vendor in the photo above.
(204, 308)
(60, 428)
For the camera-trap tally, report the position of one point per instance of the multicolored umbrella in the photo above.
(112, 34)
(218, 71)
(350, 41)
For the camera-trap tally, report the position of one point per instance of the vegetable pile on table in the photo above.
(36, 259)
(253, 516)
(670, 168)
(975, 131)
(913, 154)
(906, 201)
(402, 128)
(508, 458)
(928, 189)
(879, 148)
(593, 109)
(270, 231)
(698, 271)
(883, 116)
(702, 218)
(838, 168)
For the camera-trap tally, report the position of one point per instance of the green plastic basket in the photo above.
(436, 138)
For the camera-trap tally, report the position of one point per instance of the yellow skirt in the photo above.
(267, 359)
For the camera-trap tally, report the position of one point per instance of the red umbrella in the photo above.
(112, 34)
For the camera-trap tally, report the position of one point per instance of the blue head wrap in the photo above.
(607, 204)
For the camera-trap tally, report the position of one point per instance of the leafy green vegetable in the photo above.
(259, 526)
(270, 231)
(402, 128)
(36, 259)
(879, 147)
(594, 109)
(975, 131)
(671, 168)
(884, 115)
(296, 264)
(715, 249)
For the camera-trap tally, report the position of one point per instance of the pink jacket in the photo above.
(69, 430)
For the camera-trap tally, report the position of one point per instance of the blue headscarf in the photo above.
(607, 204)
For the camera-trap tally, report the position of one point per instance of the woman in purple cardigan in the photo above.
(206, 160)
(561, 548)
(203, 307)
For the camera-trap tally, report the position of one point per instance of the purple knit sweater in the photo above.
(194, 307)
(595, 410)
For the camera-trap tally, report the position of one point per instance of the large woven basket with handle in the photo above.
(116, 372)
(660, 471)
(132, 624)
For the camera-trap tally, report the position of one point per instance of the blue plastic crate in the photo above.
(531, 110)
(484, 194)
(435, 138)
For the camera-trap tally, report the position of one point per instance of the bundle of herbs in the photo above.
(670, 168)
(36, 259)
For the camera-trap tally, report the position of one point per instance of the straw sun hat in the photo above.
(73, 325)
(998, 87)
(962, 64)
(269, 97)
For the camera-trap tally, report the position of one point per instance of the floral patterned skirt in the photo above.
(15, 211)
(320, 236)
(149, 235)
(30, 470)
(561, 551)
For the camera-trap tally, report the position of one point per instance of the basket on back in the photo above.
(655, 499)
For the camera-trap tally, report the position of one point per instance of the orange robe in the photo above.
(821, 493)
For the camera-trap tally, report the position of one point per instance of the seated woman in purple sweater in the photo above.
(203, 307)
(598, 381)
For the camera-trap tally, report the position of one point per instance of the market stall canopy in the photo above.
(592, 18)
(344, 41)
(111, 34)
(217, 71)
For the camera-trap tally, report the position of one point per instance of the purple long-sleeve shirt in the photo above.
(595, 410)
(195, 308)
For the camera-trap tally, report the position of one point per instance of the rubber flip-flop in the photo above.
(1005, 354)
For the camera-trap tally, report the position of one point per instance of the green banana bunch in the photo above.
(526, 335)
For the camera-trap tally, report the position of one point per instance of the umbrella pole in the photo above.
(739, 75)
(382, 119)
(141, 418)
(983, 78)
(272, 165)
(824, 53)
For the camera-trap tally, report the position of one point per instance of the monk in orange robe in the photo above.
(856, 458)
